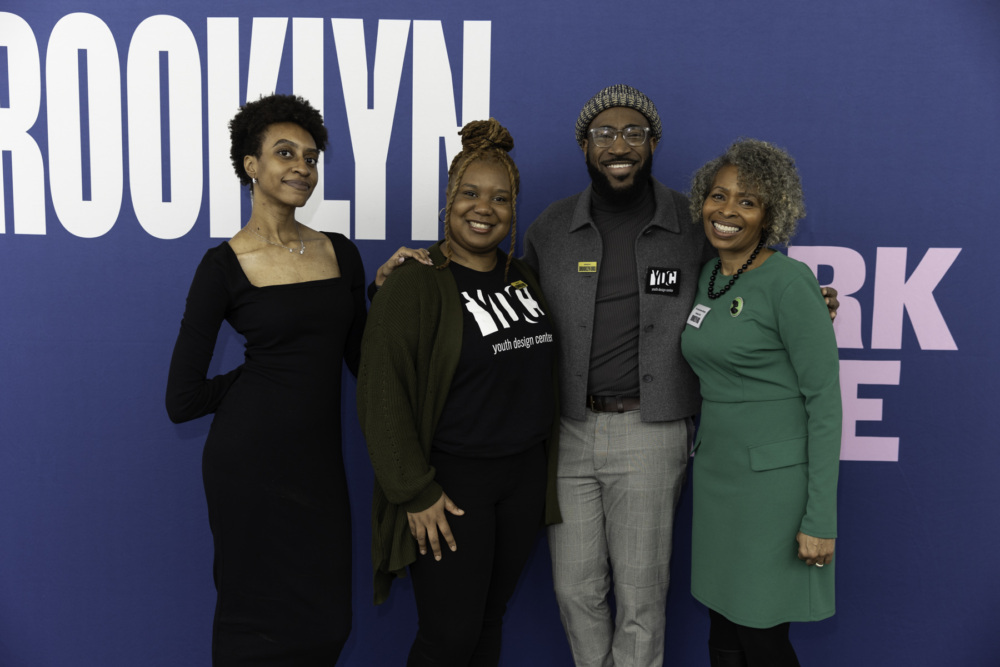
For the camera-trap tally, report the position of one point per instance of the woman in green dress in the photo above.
(768, 449)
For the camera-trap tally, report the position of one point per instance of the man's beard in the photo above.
(604, 188)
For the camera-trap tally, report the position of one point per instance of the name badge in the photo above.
(697, 315)
(663, 281)
(586, 267)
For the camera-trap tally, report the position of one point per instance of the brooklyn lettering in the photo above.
(82, 146)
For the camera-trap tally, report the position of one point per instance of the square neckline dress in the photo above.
(272, 465)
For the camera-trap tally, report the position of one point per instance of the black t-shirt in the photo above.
(500, 401)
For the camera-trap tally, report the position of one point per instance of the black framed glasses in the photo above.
(604, 136)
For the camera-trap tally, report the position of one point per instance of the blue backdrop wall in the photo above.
(115, 180)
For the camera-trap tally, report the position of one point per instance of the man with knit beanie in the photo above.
(619, 264)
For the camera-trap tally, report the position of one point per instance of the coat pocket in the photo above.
(772, 455)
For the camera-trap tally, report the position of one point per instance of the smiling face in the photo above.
(286, 170)
(733, 217)
(480, 214)
(619, 171)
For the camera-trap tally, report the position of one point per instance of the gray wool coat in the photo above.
(561, 246)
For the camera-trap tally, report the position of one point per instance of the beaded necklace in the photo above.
(718, 265)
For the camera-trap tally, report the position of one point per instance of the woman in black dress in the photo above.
(272, 465)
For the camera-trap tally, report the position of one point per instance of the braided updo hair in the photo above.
(482, 140)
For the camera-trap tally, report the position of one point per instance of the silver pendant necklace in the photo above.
(302, 245)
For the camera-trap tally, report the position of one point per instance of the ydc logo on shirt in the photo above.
(500, 309)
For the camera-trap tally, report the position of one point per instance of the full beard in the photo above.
(604, 187)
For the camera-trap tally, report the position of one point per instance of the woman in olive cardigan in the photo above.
(421, 306)
(457, 399)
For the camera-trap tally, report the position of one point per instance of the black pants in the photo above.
(461, 599)
(762, 647)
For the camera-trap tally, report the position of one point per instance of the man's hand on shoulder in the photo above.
(398, 257)
(830, 296)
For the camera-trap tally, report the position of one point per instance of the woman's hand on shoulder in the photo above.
(816, 551)
(398, 257)
(425, 525)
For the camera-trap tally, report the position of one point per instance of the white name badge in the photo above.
(698, 314)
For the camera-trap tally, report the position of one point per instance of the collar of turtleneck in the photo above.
(642, 206)
(603, 205)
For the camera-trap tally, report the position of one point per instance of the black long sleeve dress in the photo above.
(272, 465)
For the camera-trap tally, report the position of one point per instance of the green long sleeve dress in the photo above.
(768, 449)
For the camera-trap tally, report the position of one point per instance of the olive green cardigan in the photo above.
(409, 353)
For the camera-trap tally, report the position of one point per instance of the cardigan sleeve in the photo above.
(190, 393)
(807, 333)
(388, 401)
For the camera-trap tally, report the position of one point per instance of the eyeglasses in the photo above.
(605, 136)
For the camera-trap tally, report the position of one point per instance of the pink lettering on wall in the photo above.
(853, 374)
(894, 292)
(894, 295)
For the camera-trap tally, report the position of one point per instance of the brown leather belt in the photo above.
(613, 403)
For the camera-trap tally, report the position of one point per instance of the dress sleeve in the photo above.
(190, 394)
(350, 260)
(388, 404)
(807, 333)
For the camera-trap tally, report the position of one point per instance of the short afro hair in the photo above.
(768, 171)
(247, 128)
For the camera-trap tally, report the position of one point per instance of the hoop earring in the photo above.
(441, 216)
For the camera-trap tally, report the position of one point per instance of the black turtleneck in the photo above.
(614, 352)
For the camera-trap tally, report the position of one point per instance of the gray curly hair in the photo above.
(768, 171)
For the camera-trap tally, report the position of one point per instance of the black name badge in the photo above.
(663, 281)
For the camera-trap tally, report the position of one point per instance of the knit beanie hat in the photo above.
(618, 95)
